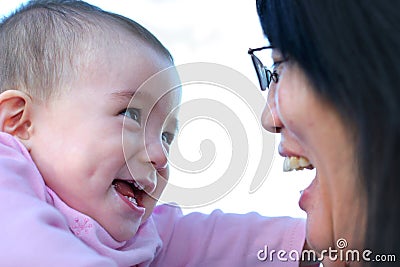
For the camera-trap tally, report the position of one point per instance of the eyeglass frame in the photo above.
(265, 76)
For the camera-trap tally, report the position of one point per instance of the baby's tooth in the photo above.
(132, 200)
(138, 185)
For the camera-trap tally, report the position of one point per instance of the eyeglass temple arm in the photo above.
(252, 50)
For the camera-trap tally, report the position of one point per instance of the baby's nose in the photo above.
(157, 155)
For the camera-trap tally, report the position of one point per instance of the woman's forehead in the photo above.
(276, 54)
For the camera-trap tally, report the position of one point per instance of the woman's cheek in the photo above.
(285, 108)
(293, 101)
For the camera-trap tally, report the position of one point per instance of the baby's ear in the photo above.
(15, 114)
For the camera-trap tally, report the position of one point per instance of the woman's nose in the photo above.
(270, 119)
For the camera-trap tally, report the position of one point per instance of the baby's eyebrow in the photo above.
(175, 123)
(123, 95)
(130, 93)
(127, 95)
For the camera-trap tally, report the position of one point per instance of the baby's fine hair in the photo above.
(45, 44)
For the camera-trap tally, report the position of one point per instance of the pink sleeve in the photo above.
(222, 239)
(33, 233)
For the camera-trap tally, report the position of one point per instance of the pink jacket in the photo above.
(38, 229)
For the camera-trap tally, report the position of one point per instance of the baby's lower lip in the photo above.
(132, 206)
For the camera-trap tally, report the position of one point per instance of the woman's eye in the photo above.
(279, 65)
(131, 113)
(276, 67)
(167, 137)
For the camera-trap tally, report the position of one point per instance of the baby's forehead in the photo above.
(115, 35)
(113, 41)
(113, 50)
(129, 65)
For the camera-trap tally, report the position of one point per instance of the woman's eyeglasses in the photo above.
(265, 76)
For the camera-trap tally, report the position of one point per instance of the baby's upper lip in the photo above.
(146, 184)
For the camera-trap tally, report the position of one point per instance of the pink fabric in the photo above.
(222, 239)
(39, 229)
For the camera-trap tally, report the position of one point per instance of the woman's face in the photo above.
(311, 128)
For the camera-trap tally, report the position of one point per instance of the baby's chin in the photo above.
(149, 204)
(123, 231)
(133, 230)
(125, 235)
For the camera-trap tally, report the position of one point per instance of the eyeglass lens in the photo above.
(264, 74)
(261, 73)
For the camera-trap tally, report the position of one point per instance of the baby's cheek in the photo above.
(162, 181)
(151, 200)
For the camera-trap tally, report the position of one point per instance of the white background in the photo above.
(218, 32)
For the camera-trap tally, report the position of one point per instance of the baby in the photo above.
(83, 151)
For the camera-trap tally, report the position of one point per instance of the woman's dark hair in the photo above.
(350, 51)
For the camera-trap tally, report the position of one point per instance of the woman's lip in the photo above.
(285, 152)
(306, 195)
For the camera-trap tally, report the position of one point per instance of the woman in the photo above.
(334, 97)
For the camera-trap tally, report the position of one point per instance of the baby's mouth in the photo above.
(296, 163)
(130, 189)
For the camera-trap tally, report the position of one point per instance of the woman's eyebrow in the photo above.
(276, 55)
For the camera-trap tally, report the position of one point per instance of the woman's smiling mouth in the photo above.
(296, 163)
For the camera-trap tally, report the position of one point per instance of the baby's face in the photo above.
(96, 148)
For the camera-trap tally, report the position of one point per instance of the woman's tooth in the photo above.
(290, 164)
(286, 165)
(295, 163)
(303, 162)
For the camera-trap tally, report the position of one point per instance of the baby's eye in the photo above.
(132, 113)
(167, 137)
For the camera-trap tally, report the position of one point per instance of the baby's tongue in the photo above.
(124, 188)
